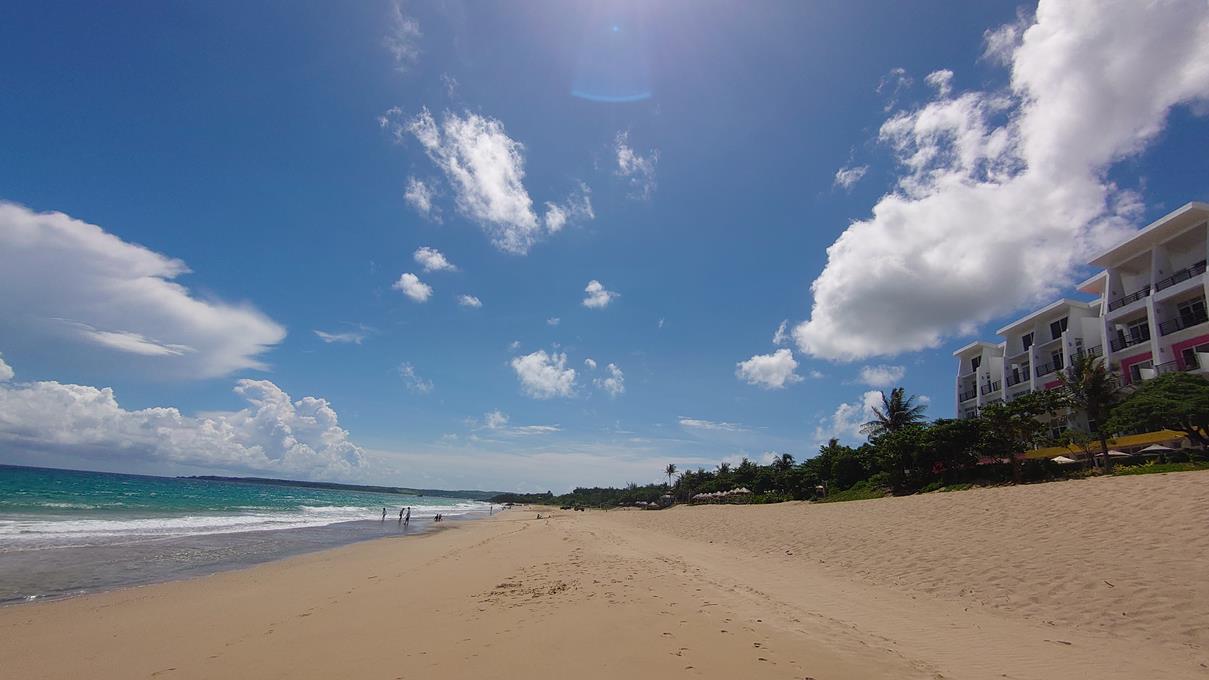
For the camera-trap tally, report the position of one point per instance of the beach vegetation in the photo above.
(1172, 401)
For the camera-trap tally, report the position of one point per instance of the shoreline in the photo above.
(983, 584)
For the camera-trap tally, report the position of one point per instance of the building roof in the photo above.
(1052, 307)
(1156, 232)
(977, 344)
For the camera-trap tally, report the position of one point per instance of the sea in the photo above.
(66, 532)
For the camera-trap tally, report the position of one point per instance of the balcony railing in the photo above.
(991, 387)
(1016, 378)
(1046, 369)
(1094, 351)
(1174, 367)
(1132, 297)
(1181, 322)
(966, 396)
(1119, 344)
(1182, 275)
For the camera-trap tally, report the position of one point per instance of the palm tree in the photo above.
(782, 462)
(897, 412)
(1092, 389)
(669, 471)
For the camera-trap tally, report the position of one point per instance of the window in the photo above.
(1189, 356)
(1135, 370)
(1138, 330)
(1191, 312)
(1027, 340)
(976, 362)
(1056, 357)
(1057, 328)
(1056, 432)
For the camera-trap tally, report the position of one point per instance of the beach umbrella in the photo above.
(1157, 448)
(1063, 460)
(1117, 454)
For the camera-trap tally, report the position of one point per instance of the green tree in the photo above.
(669, 471)
(782, 462)
(1173, 401)
(1012, 428)
(897, 412)
(1091, 388)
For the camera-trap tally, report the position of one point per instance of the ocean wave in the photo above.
(32, 532)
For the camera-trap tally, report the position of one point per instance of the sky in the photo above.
(535, 245)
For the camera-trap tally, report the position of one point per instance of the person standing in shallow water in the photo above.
(383, 514)
(400, 515)
(407, 518)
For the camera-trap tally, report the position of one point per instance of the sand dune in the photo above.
(980, 584)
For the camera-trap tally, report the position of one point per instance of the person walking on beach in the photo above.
(407, 519)
(383, 514)
(400, 515)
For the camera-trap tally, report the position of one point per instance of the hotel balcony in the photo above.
(1174, 367)
(1182, 275)
(1181, 322)
(1014, 379)
(991, 387)
(966, 396)
(1046, 369)
(1121, 343)
(1132, 297)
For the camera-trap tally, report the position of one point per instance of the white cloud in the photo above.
(514, 345)
(590, 363)
(413, 287)
(638, 170)
(413, 381)
(1001, 42)
(469, 301)
(882, 376)
(780, 337)
(354, 337)
(709, 425)
(941, 81)
(892, 84)
(6, 371)
(432, 260)
(402, 38)
(770, 371)
(273, 434)
(1003, 194)
(577, 208)
(544, 375)
(70, 283)
(484, 166)
(816, 374)
(598, 297)
(497, 422)
(553, 321)
(846, 178)
(845, 423)
(421, 196)
(494, 420)
(614, 384)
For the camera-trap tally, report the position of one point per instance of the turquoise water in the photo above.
(65, 531)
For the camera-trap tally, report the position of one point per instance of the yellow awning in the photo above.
(1125, 442)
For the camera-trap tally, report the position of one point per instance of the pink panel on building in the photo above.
(1051, 384)
(1126, 363)
(1179, 347)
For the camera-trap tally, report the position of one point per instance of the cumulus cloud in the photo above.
(638, 170)
(846, 178)
(598, 297)
(413, 287)
(613, 383)
(576, 209)
(892, 85)
(402, 38)
(882, 376)
(432, 260)
(709, 425)
(553, 321)
(469, 301)
(770, 371)
(421, 196)
(413, 381)
(1003, 194)
(274, 434)
(544, 375)
(590, 363)
(497, 422)
(845, 423)
(6, 371)
(941, 81)
(72, 284)
(485, 168)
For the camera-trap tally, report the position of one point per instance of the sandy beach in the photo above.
(1099, 578)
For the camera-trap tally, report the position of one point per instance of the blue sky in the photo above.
(270, 149)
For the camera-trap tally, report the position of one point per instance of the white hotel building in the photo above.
(1148, 318)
